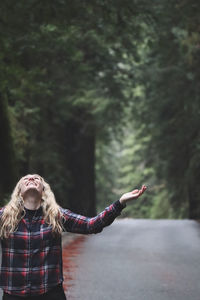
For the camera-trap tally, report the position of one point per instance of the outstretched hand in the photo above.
(132, 195)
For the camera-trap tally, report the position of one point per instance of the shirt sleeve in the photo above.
(80, 224)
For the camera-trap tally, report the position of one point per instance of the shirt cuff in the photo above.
(118, 205)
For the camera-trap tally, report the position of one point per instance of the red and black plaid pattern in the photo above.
(32, 255)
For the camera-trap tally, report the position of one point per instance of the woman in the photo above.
(30, 231)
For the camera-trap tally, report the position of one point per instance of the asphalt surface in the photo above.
(140, 260)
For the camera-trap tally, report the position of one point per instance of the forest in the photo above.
(100, 97)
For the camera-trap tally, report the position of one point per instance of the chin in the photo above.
(32, 190)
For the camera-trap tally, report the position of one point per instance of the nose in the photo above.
(31, 178)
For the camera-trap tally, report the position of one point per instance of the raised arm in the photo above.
(80, 224)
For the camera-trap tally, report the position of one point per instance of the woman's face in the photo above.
(31, 183)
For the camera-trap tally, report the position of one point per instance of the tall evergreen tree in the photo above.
(7, 155)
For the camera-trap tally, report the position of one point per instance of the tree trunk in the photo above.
(194, 201)
(7, 157)
(80, 151)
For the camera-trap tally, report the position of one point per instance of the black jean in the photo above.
(57, 293)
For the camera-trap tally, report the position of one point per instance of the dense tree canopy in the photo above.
(170, 105)
(102, 96)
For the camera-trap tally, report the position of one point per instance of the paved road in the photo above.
(140, 260)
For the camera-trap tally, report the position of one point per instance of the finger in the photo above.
(135, 191)
(144, 188)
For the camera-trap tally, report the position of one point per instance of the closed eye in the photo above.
(27, 178)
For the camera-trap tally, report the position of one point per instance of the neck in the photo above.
(32, 201)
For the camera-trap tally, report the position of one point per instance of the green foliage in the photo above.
(65, 74)
(122, 165)
(118, 76)
(169, 108)
(162, 207)
(165, 108)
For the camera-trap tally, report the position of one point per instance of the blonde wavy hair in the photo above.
(14, 211)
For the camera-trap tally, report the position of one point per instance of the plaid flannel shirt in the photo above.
(32, 256)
